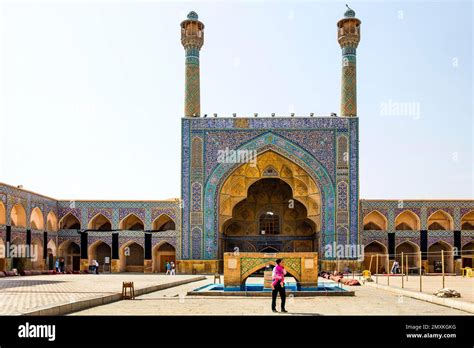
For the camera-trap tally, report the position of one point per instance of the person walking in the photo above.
(168, 268)
(395, 268)
(56, 265)
(278, 285)
(173, 268)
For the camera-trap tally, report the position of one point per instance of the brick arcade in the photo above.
(298, 194)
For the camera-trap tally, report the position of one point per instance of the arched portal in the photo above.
(69, 222)
(434, 257)
(267, 218)
(18, 216)
(3, 214)
(132, 256)
(229, 182)
(71, 253)
(265, 203)
(37, 219)
(371, 251)
(100, 251)
(375, 221)
(51, 254)
(100, 223)
(440, 220)
(163, 223)
(51, 222)
(20, 262)
(467, 254)
(132, 222)
(411, 253)
(467, 221)
(38, 262)
(163, 253)
(407, 220)
(258, 273)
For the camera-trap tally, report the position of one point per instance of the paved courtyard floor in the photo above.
(431, 284)
(174, 301)
(20, 295)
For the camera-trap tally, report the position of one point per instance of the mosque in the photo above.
(285, 184)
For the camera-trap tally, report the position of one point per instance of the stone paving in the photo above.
(173, 301)
(20, 295)
(430, 284)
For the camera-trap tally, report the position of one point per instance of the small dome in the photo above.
(350, 13)
(192, 15)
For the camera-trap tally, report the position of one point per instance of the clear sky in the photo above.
(92, 92)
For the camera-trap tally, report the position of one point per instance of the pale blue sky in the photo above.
(92, 91)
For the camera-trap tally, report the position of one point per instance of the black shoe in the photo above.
(284, 311)
(274, 311)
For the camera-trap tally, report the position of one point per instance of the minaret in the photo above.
(348, 36)
(192, 38)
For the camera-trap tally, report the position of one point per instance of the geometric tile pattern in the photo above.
(308, 141)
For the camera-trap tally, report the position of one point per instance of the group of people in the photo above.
(170, 268)
(59, 265)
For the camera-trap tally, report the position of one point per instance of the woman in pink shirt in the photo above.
(278, 285)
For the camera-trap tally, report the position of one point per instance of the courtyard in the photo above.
(367, 301)
(31, 294)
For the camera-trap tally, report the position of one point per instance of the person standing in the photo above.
(56, 265)
(278, 285)
(96, 264)
(61, 265)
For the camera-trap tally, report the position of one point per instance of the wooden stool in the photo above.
(131, 294)
(218, 277)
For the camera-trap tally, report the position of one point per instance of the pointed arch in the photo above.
(51, 254)
(132, 257)
(342, 151)
(52, 246)
(467, 221)
(434, 257)
(371, 251)
(37, 264)
(71, 253)
(196, 152)
(51, 222)
(440, 220)
(36, 219)
(132, 222)
(99, 223)
(100, 250)
(407, 220)
(467, 254)
(266, 142)
(3, 214)
(410, 252)
(18, 215)
(263, 264)
(375, 220)
(69, 222)
(163, 223)
(163, 253)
